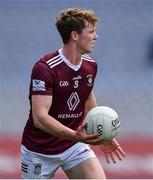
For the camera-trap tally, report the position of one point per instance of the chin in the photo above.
(87, 51)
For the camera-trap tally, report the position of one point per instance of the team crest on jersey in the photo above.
(89, 80)
(37, 169)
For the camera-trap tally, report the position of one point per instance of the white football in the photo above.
(103, 120)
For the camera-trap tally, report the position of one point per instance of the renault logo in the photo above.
(73, 101)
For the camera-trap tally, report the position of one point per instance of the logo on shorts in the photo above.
(37, 169)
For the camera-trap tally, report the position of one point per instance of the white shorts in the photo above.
(35, 165)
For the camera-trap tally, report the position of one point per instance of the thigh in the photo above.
(88, 169)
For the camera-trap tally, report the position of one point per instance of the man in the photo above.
(60, 96)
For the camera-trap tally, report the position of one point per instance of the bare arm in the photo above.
(90, 103)
(42, 120)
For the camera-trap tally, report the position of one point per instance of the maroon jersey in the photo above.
(70, 87)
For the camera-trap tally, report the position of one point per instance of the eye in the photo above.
(92, 31)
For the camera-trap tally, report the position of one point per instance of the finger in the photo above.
(83, 125)
(118, 147)
(107, 158)
(115, 143)
(121, 151)
(92, 136)
(118, 155)
(93, 141)
(112, 158)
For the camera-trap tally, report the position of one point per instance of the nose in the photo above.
(95, 36)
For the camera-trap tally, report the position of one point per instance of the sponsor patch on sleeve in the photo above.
(38, 85)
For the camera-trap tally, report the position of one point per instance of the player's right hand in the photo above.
(82, 136)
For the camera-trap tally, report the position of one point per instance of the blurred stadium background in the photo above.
(124, 54)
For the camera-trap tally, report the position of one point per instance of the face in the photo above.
(86, 39)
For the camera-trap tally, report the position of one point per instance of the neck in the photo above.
(71, 53)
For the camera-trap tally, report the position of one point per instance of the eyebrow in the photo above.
(90, 26)
(93, 29)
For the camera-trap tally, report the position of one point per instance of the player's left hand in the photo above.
(112, 149)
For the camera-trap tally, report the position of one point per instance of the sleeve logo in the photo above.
(38, 85)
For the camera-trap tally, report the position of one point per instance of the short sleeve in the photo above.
(42, 80)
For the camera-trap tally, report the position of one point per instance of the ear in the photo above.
(74, 36)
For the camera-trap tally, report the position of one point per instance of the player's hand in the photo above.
(112, 149)
(81, 136)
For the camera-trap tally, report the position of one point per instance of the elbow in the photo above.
(37, 118)
(36, 121)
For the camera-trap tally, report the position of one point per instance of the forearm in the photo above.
(51, 126)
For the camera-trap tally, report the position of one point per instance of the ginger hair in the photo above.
(74, 19)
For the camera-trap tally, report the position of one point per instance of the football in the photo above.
(103, 120)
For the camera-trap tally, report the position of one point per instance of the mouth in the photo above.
(92, 44)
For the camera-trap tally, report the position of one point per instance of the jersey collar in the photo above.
(67, 62)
